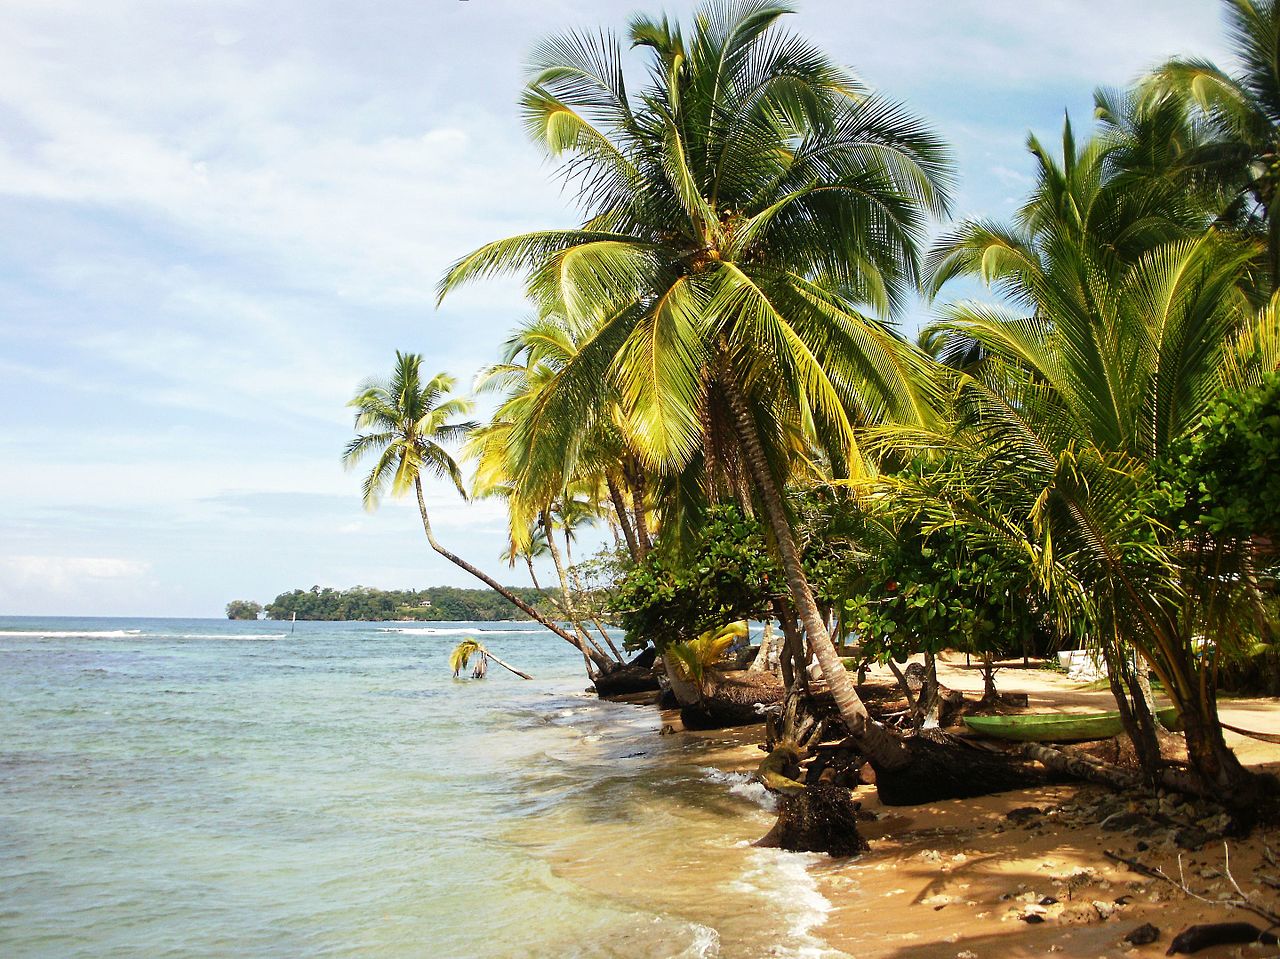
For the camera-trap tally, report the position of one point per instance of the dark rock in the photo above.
(1143, 935)
(1033, 918)
(1024, 814)
(1194, 938)
(1192, 838)
(1125, 820)
(1048, 901)
(1142, 847)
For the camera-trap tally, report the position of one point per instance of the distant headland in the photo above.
(364, 603)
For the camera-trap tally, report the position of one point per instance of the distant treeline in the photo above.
(432, 604)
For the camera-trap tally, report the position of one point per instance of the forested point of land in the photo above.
(434, 604)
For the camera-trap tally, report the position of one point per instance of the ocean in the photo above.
(210, 788)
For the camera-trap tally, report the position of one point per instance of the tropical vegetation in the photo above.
(713, 373)
(432, 604)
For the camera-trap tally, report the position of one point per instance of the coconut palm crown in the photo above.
(753, 202)
(1239, 117)
(406, 422)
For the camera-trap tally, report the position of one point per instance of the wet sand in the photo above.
(964, 879)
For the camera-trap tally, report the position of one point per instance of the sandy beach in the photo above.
(1026, 873)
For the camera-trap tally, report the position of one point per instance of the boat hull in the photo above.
(1059, 727)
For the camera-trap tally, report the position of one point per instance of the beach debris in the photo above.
(1143, 935)
(1201, 936)
(1104, 909)
(819, 817)
(1122, 822)
(1240, 900)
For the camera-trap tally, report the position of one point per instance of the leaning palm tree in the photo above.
(406, 423)
(1107, 359)
(462, 654)
(749, 219)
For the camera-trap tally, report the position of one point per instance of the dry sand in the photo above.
(960, 878)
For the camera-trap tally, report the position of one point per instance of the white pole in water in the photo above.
(294, 622)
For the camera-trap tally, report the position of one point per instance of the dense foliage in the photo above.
(243, 609)
(1094, 451)
(728, 575)
(930, 590)
(1226, 479)
(434, 604)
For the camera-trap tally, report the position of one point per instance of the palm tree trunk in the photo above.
(604, 633)
(878, 744)
(569, 607)
(507, 666)
(533, 577)
(620, 509)
(761, 663)
(512, 598)
(635, 477)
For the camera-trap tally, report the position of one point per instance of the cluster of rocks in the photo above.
(1155, 821)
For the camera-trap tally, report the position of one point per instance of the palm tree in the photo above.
(461, 657)
(1109, 357)
(744, 216)
(407, 422)
(1239, 115)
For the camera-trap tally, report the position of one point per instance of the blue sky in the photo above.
(219, 216)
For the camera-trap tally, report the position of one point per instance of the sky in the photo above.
(217, 217)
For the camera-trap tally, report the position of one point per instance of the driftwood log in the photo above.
(1194, 938)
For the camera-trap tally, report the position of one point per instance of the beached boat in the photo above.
(1059, 727)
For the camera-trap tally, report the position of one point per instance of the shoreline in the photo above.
(965, 878)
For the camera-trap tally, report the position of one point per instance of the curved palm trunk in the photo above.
(600, 627)
(568, 605)
(601, 662)
(507, 666)
(761, 663)
(635, 478)
(878, 744)
(624, 520)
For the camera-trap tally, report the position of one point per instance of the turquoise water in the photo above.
(215, 788)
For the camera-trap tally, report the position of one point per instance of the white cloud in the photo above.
(81, 584)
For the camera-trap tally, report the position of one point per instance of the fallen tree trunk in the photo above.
(943, 767)
(736, 700)
(624, 679)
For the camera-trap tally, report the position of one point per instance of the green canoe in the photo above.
(1059, 727)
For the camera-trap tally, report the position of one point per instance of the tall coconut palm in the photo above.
(1239, 111)
(747, 217)
(407, 423)
(1105, 362)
